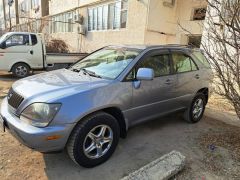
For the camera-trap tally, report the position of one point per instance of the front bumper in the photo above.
(34, 137)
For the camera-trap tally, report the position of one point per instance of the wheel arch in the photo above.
(205, 92)
(116, 113)
(20, 62)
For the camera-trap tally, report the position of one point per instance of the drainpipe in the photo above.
(4, 14)
(10, 21)
(16, 10)
(146, 23)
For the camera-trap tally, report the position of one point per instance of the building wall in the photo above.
(163, 21)
(59, 6)
(34, 9)
(184, 14)
(148, 22)
(132, 34)
(12, 13)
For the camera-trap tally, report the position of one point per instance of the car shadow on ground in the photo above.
(144, 143)
(7, 77)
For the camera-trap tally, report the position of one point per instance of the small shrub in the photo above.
(57, 46)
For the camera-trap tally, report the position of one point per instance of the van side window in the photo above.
(182, 63)
(17, 39)
(34, 39)
(159, 63)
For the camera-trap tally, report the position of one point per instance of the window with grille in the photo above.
(62, 23)
(108, 16)
(199, 14)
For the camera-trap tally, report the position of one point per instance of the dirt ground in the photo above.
(212, 148)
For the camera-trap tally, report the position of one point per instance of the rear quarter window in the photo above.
(200, 57)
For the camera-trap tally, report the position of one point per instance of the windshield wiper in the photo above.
(90, 73)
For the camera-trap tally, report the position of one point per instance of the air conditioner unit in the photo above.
(169, 3)
(78, 18)
(10, 2)
(81, 29)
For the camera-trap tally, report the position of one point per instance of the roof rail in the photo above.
(180, 45)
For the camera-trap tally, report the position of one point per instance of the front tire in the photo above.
(94, 140)
(195, 112)
(21, 70)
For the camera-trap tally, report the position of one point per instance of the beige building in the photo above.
(8, 13)
(86, 25)
(32, 9)
(22, 13)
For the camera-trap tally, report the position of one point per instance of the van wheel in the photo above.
(195, 112)
(94, 140)
(20, 70)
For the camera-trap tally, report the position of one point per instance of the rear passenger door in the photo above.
(188, 77)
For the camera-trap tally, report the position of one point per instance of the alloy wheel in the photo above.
(21, 71)
(198, 108)
(98, 141)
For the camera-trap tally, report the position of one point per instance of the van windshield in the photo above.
(3, 37)
(106, 63)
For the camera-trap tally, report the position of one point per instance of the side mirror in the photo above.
(3, 45)
(145, 74)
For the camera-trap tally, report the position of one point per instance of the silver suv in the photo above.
(87, 107)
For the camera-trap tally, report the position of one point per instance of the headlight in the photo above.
(40, 114)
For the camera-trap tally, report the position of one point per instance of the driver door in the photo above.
(154, 97)
(17, 50)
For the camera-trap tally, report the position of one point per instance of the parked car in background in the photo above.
(87, 107)
(21, 52)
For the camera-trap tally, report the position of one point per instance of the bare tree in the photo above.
(221, 44)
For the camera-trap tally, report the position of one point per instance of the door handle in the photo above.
(31, 51)
(197, 76)
(168, 81)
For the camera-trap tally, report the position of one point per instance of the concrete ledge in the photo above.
(160, 169)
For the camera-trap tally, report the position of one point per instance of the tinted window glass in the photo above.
(201, 58)
(17, 39)
(34, 39)
(182, 63)
(159, 63)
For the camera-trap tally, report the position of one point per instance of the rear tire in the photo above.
(196, 110)
(94, 140)
(21, 70)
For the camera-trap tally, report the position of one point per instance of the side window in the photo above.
(202, 59)
(34, 39)
(182, 63)
(17, 39)
(159, 63)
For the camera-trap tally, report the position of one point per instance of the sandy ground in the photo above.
(212, 148)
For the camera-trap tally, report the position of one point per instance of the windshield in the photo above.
(106, 63)
(3, 37)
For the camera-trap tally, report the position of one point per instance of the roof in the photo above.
(143, 47)
(17, 32)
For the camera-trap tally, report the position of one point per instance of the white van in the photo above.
(21, 52)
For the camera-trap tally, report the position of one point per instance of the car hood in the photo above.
(57, 83)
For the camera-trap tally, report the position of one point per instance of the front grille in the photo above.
(14, 99)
